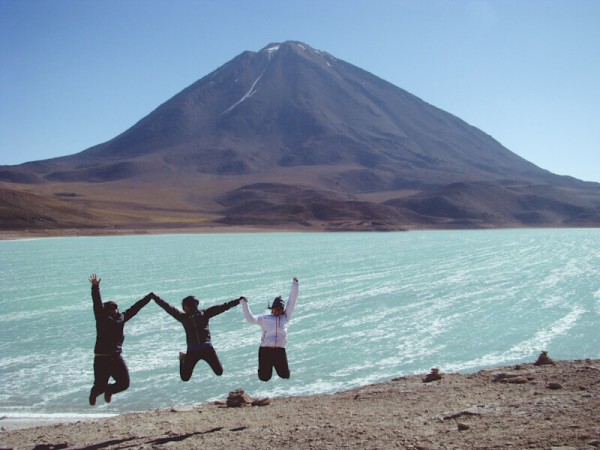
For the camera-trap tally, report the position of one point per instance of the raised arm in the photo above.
(137, 306)
(291, 303)
(218, 309)
(178, 315)
(247, 313)
(96, 298)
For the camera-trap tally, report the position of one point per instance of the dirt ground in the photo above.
(525, 406)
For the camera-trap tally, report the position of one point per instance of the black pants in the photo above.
(106, 366)
(268, 358)
(187, 364)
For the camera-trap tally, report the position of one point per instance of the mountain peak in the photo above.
(274, 46)
(258, 113)
(297, 47)
(299, 121)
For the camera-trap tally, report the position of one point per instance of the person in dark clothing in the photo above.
(197, 333)
(108, 360)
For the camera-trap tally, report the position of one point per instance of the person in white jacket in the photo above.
(272, 353)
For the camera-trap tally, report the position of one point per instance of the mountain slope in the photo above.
(295, 119)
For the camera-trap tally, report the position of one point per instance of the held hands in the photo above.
(96, 282)
(244, 299)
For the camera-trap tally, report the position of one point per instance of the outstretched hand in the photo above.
(243, 299)
(296, 279)
(95, 280)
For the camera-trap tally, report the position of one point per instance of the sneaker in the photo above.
(107, 397)
(92, 398)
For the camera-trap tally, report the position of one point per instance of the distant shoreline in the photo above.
(82, 232)
(522, 406)
(237, 229)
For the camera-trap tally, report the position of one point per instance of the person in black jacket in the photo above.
(197, 333)
(108, 361)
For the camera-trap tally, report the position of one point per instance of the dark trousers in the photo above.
(106, 366)
(187, 363)
(272, 357)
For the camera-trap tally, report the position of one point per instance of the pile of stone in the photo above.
(543, 359)
(435, 375)
(239, 398)
(522, 377)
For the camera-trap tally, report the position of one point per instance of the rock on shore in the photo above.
(524, 406)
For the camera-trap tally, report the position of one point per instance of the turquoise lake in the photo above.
(372, 306)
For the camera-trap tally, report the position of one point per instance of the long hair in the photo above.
(278, 302)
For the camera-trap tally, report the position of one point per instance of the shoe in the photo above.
(107, 397)
(92, 398)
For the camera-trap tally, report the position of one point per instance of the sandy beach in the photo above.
(525, 406)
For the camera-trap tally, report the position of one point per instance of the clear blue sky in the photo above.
(75, 73)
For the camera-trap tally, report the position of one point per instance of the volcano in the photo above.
(291, 136)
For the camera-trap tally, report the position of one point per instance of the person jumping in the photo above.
(197, 333)
(272, 353)
(108, 359)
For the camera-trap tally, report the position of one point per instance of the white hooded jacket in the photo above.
(274, 329)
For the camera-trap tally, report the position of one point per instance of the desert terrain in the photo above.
(528, 406)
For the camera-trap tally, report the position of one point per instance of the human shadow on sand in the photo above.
(90, 447)
(181, 437)
(157, 441)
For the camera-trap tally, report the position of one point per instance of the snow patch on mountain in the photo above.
(252, 89)
(272, 50)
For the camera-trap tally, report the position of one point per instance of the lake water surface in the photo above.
(372, 306)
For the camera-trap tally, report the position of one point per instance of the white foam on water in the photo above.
(371, 307)
(524, 350)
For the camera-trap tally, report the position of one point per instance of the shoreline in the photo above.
(80, 232)
(21, 421)
(6, 235)
(522, 406)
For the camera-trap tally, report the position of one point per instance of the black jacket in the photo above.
(109, 330)
(196, 323)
